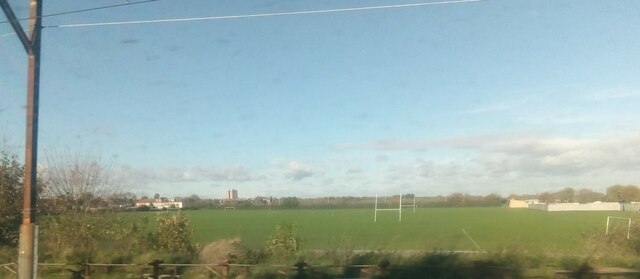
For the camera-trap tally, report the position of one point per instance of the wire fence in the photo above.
(159, 270)
(631, 207)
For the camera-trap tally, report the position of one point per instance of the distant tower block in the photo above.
(232, 195)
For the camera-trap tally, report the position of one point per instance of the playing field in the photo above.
(427, 229)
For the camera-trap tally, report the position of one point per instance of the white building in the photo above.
(158, 203)
(514, 203)
(595, 206)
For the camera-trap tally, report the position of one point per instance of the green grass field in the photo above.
(427, 229)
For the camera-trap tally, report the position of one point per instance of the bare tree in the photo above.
(77, 180)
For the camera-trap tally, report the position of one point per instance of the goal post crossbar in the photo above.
(623, 218)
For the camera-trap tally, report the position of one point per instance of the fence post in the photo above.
(76, 274)
(225, 269)
(87, 271)
(383, 267)
(142, 268)
(300, 269)
(156, 268)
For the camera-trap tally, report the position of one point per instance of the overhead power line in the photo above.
(89, 9)
(260, 15)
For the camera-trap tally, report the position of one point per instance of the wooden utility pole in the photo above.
(28, 253)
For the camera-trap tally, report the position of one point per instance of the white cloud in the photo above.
(563, 156)
(233, 173)
(354, 171)
(509, 157)
(400, 144)
(442, 169)
(381, 158)
(141, 176)
(613, 95)
(471, 164)
(497, 106)
(297, 171)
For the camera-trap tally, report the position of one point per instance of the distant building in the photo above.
(261, 201)
(514, 203)
(232, 195)
(574, 206)
(159, 203)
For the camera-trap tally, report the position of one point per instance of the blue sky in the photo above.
(476, 97)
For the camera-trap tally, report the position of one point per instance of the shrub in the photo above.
(143, 208)
(81, 237)
(172, 234)
(284, 243)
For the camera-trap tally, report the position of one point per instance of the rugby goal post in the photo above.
(376, 209)
(621, 218)
(409, 204)
(399, 209)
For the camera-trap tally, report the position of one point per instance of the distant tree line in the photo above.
(616, 193)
